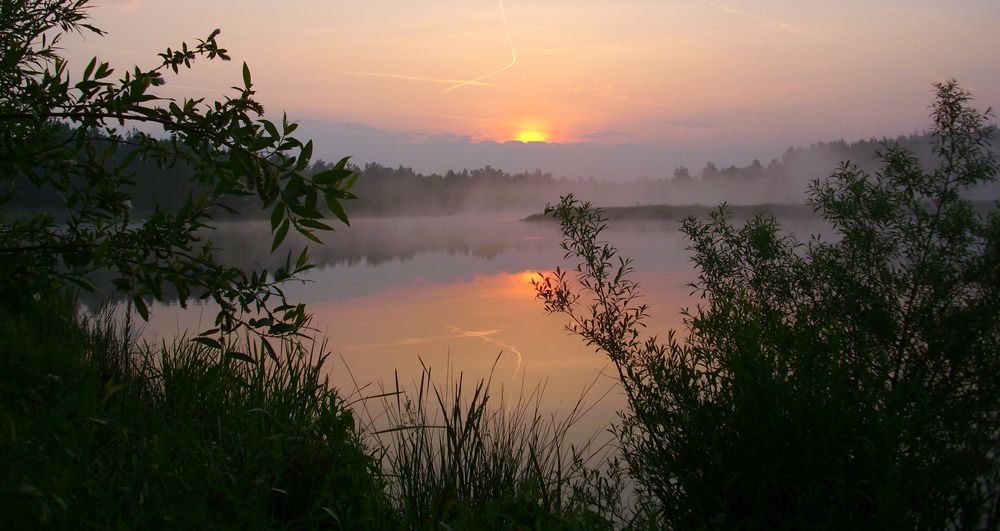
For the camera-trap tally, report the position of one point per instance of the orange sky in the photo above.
(761, 74)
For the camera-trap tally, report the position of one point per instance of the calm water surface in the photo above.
(392, 295)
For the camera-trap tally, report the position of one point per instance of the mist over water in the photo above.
(435, 270)
(392, 295)
(403, 190)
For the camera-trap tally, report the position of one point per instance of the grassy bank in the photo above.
(678, 212)
(107, 436)
(782, 212)
(99, 433)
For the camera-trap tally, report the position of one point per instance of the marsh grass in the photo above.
(454, 455)
(98, 431)
(103, 433)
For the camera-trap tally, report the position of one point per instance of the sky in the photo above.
(612, 89)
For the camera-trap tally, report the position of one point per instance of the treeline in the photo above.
(403, 191)
(385, 191)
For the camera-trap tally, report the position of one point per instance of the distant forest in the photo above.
(401, 191)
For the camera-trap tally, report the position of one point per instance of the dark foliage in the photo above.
(847, 384)
(60, 140)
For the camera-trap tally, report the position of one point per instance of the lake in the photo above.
(393, 295)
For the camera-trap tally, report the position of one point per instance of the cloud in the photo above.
(453, 84)
(606, 135)
(775, 23)
(611, 91)
(419, 78)
(124, 5)
(619, 158)
(692, 123)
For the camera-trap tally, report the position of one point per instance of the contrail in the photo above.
(169, 86)
(99, 48)
(513, 58)
(457, 333)
(418, 78)
(486, 336)
(431, 339)
(779, 25)
(611, 92)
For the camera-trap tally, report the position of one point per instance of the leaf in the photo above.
(281, 328)
(279, 236)
(303, 258)
(336, 209)
(140, 307)
(305, 212)
(90, 68)
(331, 514)
(234, 355)
(103, 71)
(246, 76)
(310, 203)
(207, 341)
(270, 128)
(314, 224)
(94, 29)
(309, 234)
(110, 390)
(268, 348)
(304, 156)
(276, 215)
(349, 183)
(331, 176)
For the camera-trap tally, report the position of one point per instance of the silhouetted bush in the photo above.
(849, 384)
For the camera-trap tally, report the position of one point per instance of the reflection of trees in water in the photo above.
(371, 242)
(376, 241)
(368, 242)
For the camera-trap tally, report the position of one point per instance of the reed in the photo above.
(469, 456)
(102, 431)
(105, 432)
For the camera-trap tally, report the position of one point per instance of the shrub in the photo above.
(844, 384)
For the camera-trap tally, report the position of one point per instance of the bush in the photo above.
(61, 139)
(847, 384)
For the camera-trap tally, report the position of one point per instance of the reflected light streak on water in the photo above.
(393, 295)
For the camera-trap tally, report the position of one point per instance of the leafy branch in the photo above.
(63, 136)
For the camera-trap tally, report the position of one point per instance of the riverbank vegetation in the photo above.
(844, 384)
(234, 427)
(101, 432)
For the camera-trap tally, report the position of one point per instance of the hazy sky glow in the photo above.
(725, 79)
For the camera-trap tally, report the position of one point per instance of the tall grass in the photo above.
(455, 456)
(176, 436)
(98, 431)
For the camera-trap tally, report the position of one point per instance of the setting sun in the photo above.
(532, 136)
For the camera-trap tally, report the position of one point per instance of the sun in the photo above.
(532, 136)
